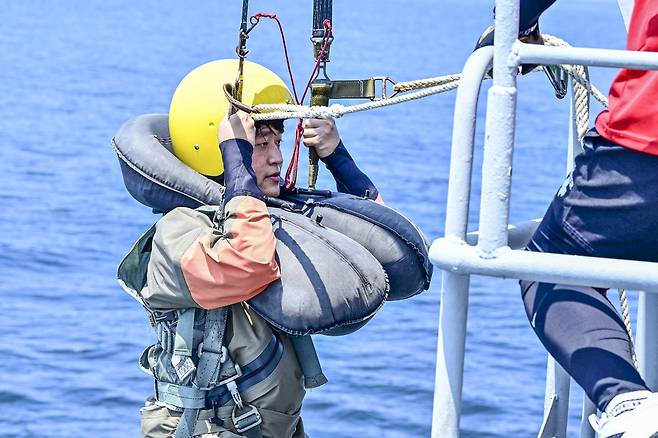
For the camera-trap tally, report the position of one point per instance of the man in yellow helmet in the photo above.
(220, 369)
(199, 105)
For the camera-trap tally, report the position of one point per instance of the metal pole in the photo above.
(534, 54)
(646, 343)
(454, 255)
(575, 146)
(500, 128)
(558, 382)
(463, 137)
(322, 10)
(556, 401)
(450, 355)
(454, 288)
(589, 408)
(241, 50)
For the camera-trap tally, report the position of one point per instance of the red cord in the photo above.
(291, 172)
(285, 48)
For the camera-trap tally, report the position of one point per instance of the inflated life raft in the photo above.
(321, 236)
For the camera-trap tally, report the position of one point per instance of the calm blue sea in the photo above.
(72, 71)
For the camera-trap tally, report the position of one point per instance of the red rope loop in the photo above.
(291, 172)
(264, 15)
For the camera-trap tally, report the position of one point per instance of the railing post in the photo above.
(646, 342)
(589, 408)
(556, 401)
(450, 355)
(500, 128)
(454, 288)
(558, 382)
(575, 145)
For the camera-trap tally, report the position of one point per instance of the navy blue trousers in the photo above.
(608, 207)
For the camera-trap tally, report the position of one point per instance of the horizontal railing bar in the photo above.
(456, 256)
(536, 54)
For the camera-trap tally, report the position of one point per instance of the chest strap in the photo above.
(208, 369)
(215, 369)
(183, 344)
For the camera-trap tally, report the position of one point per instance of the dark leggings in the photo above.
(608, 208)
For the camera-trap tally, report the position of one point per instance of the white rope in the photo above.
(337, 110)
(425, 83)
(623, 303)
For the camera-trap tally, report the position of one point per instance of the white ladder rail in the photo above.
(454, 287)
(492, 256)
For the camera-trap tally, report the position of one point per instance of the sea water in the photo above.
(73, 71)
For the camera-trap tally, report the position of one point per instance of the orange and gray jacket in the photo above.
(211, 268)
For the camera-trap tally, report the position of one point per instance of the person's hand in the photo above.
(530, 35)
(322, 135)
(237, 126)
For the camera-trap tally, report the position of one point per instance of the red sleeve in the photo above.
(240, 264)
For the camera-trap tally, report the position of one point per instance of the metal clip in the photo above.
(558, 79)
(246, 421)
(235, 394)
(385, 80)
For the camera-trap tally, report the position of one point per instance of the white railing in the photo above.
(495, 249)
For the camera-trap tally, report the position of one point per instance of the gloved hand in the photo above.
(237, 135)
(531, 35)
(349, 178)
(322, 135)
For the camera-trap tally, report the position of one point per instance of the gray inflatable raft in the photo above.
(321, 236)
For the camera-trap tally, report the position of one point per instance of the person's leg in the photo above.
(608, 209)
(584, 333)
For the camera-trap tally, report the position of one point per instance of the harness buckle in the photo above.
(385, 81)
(235, 394)
(223, 353)
(232, 387)
(156, 317)
(238, 374)
(246, 421)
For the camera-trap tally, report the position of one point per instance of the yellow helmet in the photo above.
(199, 105)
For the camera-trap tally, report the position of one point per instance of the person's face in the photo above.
(266, 160)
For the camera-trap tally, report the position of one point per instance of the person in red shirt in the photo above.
(607, 207)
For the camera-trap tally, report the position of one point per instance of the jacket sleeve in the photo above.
(238, 265)
(193, 263)
(531, 10)
(349, 178)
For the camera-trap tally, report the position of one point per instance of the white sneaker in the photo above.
(630, 415)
